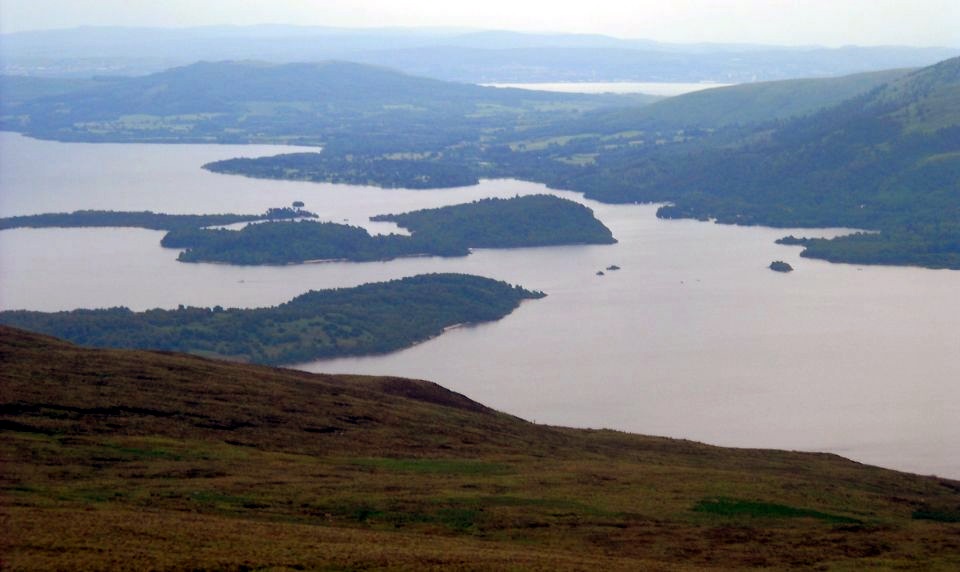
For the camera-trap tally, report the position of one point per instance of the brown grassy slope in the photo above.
(126, 459)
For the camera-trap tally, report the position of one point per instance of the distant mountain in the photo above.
(663, 63)
(316, 103)
(218, 87)
(458, 55)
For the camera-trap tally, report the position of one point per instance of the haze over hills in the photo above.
(743, 104)
(236, 101)
(15, 90)
(113, 457)
(573, 64)
(309, 103)
(470, 56)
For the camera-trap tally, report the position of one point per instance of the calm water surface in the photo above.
(651, 88)
(694, 337)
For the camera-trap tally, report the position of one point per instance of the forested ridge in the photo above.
(343, 106)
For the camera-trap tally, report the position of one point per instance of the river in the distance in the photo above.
(693, 337)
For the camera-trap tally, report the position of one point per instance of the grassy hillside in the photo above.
(118, 459)
(691, 117)
(745, 103)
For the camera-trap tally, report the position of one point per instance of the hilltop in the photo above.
(746, 103)
(819, 169)
(119, 458)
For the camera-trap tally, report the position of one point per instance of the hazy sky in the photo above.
(824, 22)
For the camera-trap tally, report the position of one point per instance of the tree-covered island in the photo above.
(780, 266)
(534, 220)
(368, 319)
(288, 236)
(144, 219)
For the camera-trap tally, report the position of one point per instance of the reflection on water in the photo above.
(694, 337)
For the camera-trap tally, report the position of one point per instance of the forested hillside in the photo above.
(887, 160)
